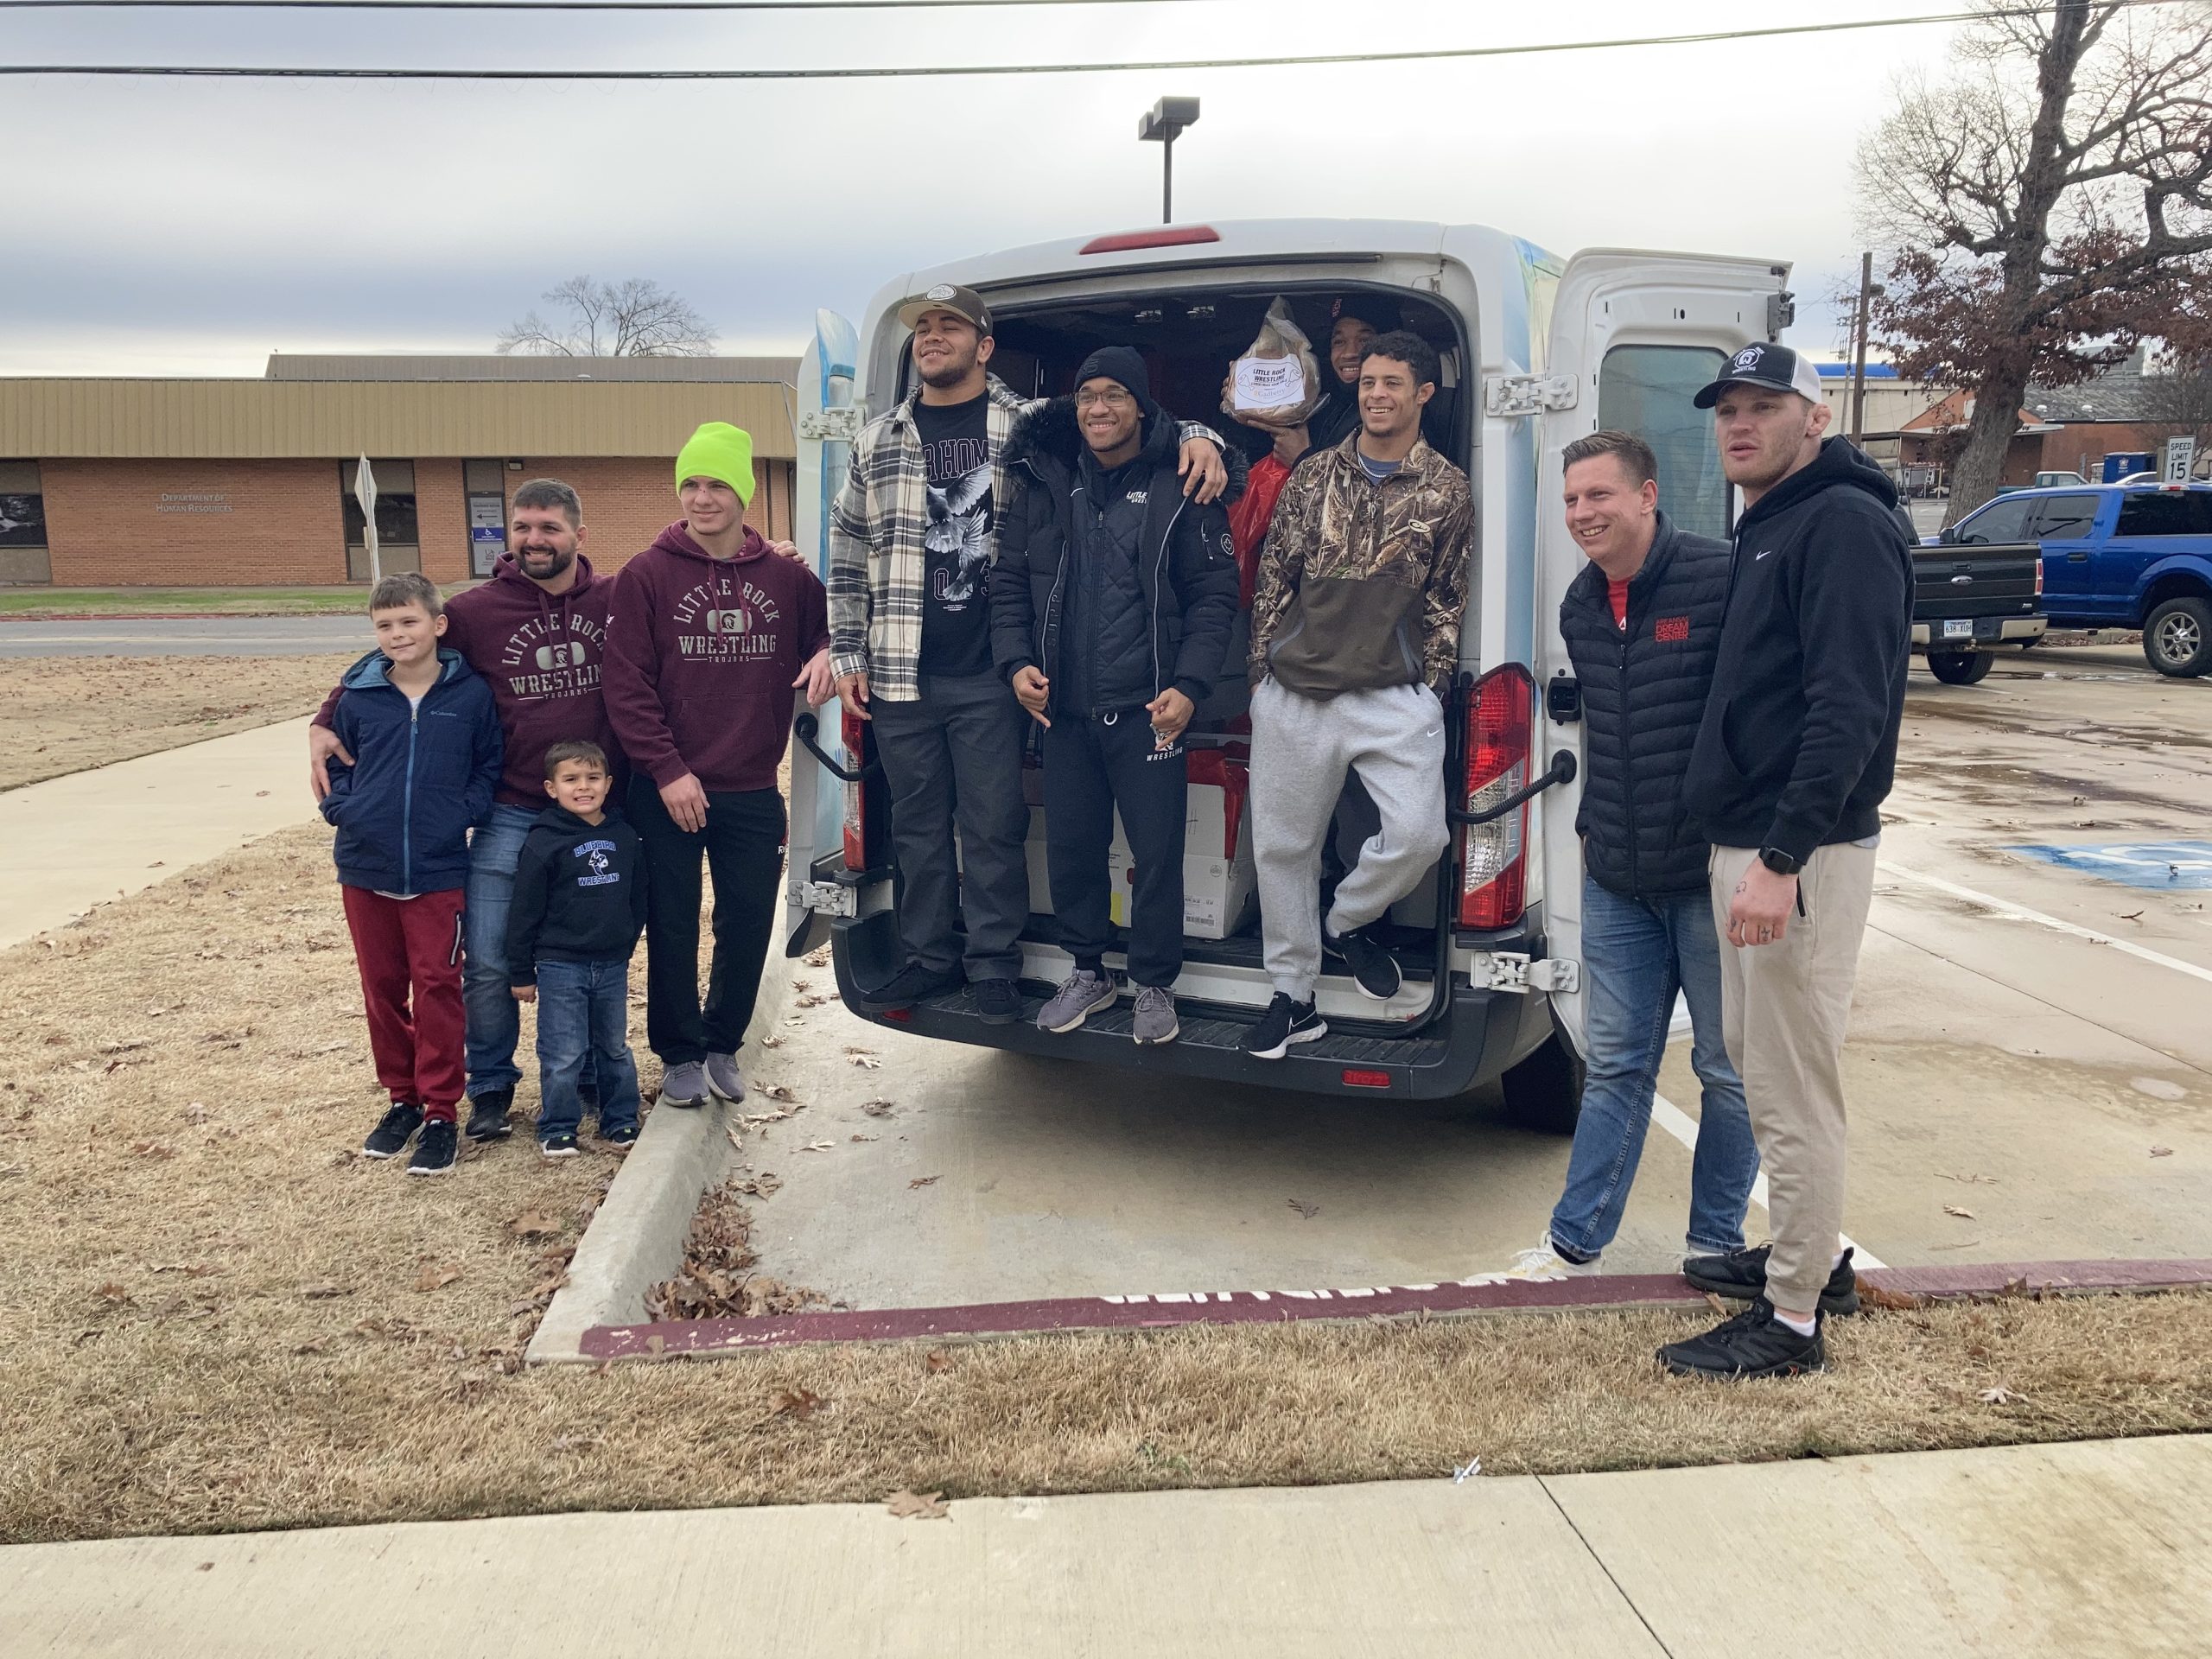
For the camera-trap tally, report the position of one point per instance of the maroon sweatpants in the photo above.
(404, 946)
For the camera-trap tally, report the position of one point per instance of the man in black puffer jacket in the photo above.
(1111, 603)
(1642, 622)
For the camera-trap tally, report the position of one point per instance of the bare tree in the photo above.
(2179, 402)
(2046, 207)
(636, 317)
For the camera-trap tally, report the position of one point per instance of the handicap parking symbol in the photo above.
(2168, 866)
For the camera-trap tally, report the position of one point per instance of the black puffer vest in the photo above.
(1109, 661)
(1642, 698)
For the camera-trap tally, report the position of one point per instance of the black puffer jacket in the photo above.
(1186, 565)
(1642, 698)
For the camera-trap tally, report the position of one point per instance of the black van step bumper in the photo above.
(1210, 1044)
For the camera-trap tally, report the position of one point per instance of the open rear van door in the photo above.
(829, 419)
(1634, 335)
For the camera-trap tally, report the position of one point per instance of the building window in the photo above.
(22, 505)
(394, 504)
(1647, 390)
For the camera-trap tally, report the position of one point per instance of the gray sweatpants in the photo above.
(1301, 748)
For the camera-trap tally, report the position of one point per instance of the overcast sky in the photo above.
(191, 227)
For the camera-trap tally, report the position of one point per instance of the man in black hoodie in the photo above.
(1111, 603)
(1794, 757)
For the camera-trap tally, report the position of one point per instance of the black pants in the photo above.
(953, 758)
(1091, 767)
(743, 843)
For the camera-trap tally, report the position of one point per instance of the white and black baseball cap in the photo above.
(1763, 364)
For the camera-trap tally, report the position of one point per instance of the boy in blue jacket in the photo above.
(427, 754)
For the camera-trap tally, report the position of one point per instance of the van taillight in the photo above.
(1493, 861)
(1168, 236)
(858, 850)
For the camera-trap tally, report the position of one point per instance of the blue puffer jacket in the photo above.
(422, 777)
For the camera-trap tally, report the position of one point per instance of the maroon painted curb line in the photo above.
(712, 1337)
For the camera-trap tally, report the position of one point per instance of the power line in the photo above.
(553, 5)
(902, 72)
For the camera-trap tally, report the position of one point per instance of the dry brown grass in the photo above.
(166, 1369)
(65, 713)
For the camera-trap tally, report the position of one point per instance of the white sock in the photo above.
(1804, 1328)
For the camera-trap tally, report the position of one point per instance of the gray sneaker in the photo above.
(684, 1085)
(1154, 1019)
(1082, 993)
(724, 1079)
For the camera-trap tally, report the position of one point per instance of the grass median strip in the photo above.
(37, 603)
(68, 714)
(218, 1317)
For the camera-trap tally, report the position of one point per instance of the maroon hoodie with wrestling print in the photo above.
(542, 654)
(701, 658)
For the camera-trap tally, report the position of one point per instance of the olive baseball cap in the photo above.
(1776, 367)
(947, 296)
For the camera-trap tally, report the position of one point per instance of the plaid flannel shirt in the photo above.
(877, 570)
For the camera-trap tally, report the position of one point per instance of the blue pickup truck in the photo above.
(2116, 557)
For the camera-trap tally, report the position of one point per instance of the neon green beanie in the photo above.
(721, 451)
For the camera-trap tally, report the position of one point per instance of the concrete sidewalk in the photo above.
(75, 841)
(2103, 1547)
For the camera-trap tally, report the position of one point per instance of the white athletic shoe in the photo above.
(1538, 1265)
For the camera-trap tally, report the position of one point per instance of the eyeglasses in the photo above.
(1112, 397)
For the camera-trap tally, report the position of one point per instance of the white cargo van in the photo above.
(1536, 353)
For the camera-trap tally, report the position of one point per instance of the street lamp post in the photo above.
(1166, 118)
(1868, 289)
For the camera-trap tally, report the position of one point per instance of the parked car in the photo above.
(1537, 351)
(2116, 555)
(1971, 599)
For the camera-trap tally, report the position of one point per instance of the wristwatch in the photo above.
(1779, 862)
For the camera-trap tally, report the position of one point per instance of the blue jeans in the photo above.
(1636, 954)
(583, 1019)
(494, 1018)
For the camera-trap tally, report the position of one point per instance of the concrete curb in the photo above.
(712, 1339)
(636, 1239)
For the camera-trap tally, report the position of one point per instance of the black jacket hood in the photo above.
(1841, 464)
(1049, 433)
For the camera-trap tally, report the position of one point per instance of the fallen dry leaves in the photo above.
(717, 1281)
(907, 1505)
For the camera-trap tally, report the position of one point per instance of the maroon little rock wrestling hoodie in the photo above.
(701, 658)
(542, 654)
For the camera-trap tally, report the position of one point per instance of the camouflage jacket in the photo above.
(1361, 584)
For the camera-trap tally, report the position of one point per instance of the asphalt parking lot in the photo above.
(2021, 1088)
(192, 636)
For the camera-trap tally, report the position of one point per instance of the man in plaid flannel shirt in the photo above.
(910, 537)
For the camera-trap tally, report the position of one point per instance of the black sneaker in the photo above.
(1374, 970)
(909, 986)
(1753, 1344)
(435, 1151)
(487, 1115)
(557, 1146)
(390, 1137)
(1284, 1023)
(998, 1001)
(622, 1135)
(1740, 1275)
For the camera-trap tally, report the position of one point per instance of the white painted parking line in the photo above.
(2022, 914)
(1680, 1124)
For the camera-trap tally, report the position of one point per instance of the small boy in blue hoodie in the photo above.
(427, 753)
(579, 906)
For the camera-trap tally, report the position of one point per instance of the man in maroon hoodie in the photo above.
(537, 633)
(712, 633)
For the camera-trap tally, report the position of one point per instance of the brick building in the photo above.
(246, 482)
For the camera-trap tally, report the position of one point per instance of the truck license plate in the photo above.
(1962, 629)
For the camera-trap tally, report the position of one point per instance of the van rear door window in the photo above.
(1647, 390)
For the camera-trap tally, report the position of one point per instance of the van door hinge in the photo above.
(1509, 397)
(1781, 313)
(825, 897)
(831, 425)
(1511, 970)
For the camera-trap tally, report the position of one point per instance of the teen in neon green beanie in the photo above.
(718, 450)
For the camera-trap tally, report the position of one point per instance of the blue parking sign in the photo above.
(2170, 865)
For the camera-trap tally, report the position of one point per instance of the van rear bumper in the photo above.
(1481, 1034)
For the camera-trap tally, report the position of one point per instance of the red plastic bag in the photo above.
(1248, 518)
